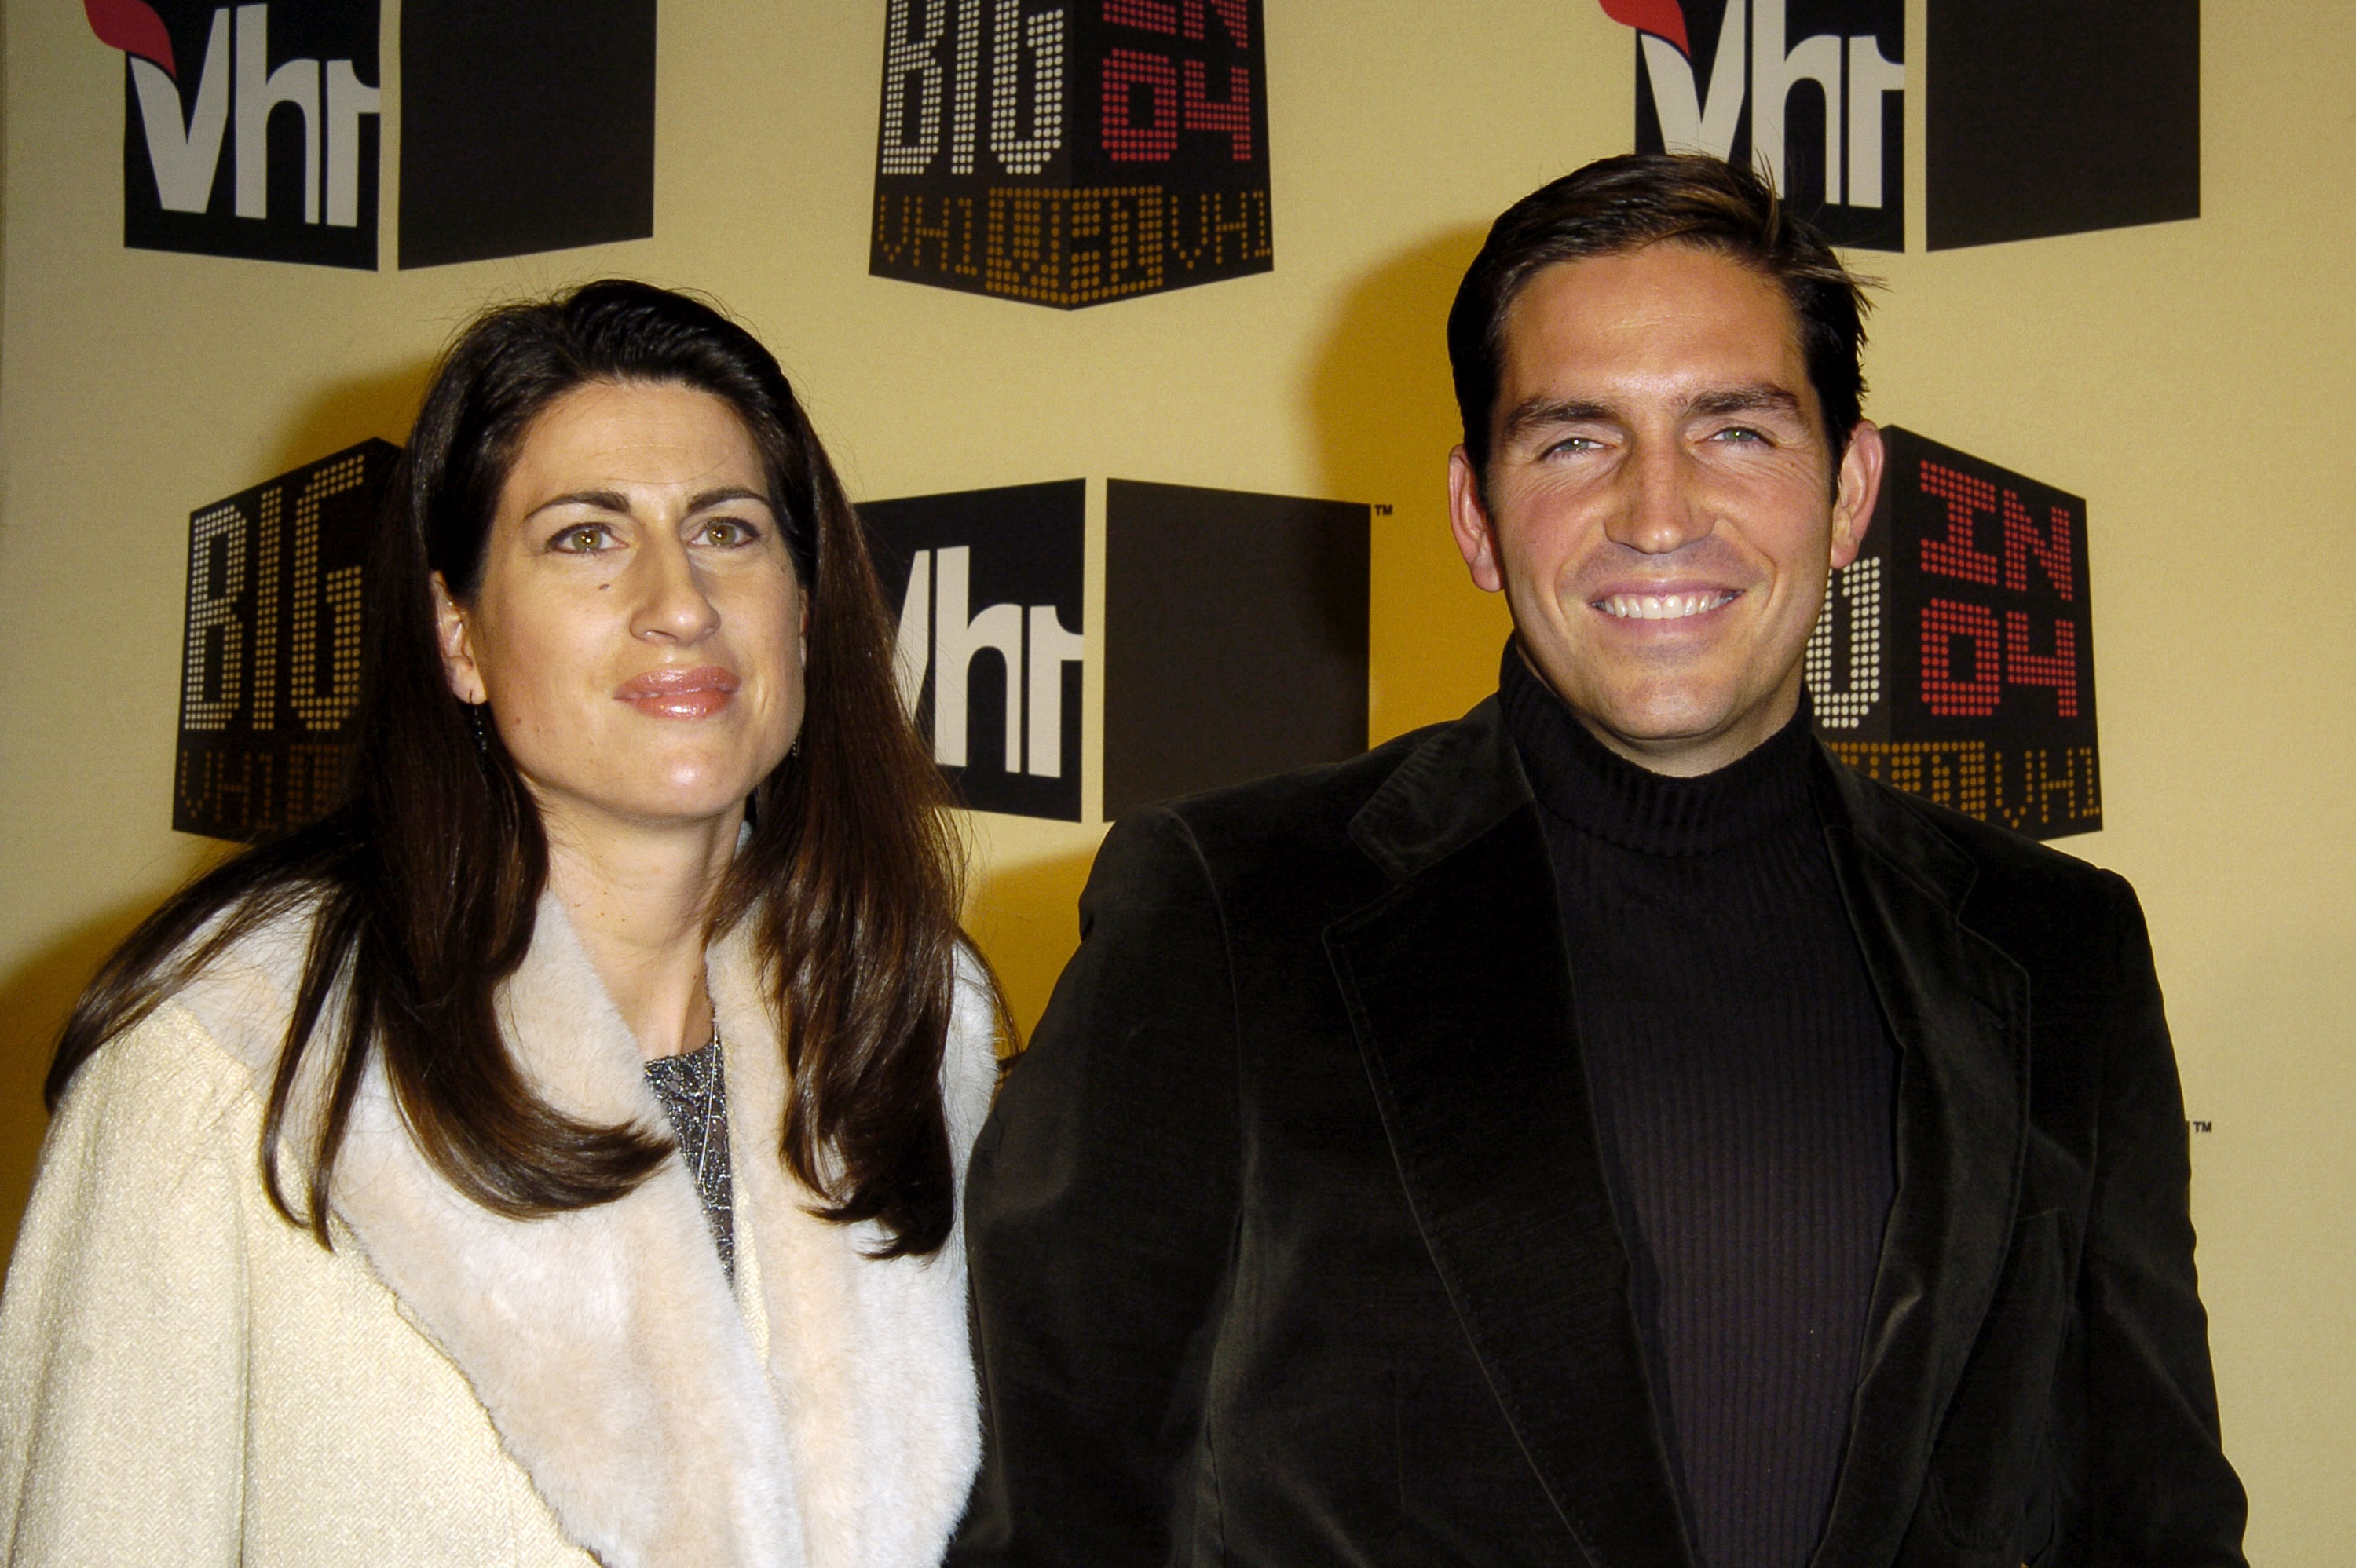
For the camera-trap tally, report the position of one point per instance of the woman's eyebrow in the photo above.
(614, 501)
(724, 495)
(603, 500)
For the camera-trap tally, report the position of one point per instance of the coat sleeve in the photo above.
(1100, 1219)
(122, 1326)
(2161, 1491)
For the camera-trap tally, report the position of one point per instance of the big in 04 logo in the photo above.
(270, 668)
(2039, 119)
(1954, 658)
(254, 130)
(1075, 152)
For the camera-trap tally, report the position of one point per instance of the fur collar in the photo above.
(824, 1417)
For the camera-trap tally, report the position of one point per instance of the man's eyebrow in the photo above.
(1544, 414)
(1744, 399)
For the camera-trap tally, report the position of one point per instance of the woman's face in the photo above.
(637, 628)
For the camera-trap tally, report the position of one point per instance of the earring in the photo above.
(475, 721)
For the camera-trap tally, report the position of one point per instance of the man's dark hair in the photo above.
(1617, 204)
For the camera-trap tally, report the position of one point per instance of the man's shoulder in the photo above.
(1299, 825)
(1311, 803)
(2017, 888)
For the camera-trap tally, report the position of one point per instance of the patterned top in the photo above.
(693, 1089)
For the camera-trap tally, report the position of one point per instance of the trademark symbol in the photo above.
(1382, 508)
(2197, 1126)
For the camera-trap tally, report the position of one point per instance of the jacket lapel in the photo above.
(1958, 1009)
(869, 1358)
(1459, 990)
(602, 1342)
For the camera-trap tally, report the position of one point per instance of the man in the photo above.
(1604, 1128)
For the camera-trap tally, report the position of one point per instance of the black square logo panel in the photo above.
(270, 666)
(2040, 119)
(1235, 638)
(990, 650)
(250, 131)
(255, 130)
(525, 126)
(1955, 656)
(2046, 119)
(1810, 91)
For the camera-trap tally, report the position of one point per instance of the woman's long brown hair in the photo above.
(424, 885)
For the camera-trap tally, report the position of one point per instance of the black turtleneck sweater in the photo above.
(1744, 1085)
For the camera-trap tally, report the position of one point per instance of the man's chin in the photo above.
(1683, 732)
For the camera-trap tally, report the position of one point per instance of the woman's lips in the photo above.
(679, 693)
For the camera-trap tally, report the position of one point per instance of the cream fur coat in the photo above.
(184, 1378)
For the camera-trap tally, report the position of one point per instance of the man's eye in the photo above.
(1740, 432)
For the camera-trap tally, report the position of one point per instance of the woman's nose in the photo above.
(673, 603)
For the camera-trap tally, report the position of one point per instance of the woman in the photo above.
(554, 1152)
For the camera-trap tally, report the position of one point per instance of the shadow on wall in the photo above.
(1383, 413)
(347, 412)
(1027, 917)
(36, 997)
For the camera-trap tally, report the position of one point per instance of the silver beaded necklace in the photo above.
(692, 1088)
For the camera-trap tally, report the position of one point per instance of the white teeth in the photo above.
(1661, 606)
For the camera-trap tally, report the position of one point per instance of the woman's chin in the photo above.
(675, 803)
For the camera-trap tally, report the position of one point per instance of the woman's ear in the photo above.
(451, 631)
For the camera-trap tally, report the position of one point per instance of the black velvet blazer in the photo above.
(1290, 1243)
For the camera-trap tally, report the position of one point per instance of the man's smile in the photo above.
(1665, 606)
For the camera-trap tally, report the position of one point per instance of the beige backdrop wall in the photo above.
(2186, 378)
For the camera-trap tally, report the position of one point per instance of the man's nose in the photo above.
(1659, 508)
(672, 605)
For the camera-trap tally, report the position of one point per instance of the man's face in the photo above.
(1663, 503)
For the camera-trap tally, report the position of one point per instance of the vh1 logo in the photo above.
(1073, 153)
(997, 573)
(1234, 642)
(270, 666)
(2040, 119)
(255, 130)
(1955, 657)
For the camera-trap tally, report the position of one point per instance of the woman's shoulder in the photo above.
(215, 1029)
(242, 994)
(162, 1084)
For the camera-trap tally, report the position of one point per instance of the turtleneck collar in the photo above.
(1596, 791)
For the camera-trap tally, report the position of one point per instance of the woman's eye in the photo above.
(725, 531)
(587, 540)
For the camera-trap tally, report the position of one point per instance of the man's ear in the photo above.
(1858, 485)
(455, 638)
(1468, 519)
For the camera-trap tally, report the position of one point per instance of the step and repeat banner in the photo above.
(1071, 155)
(1187, 526)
